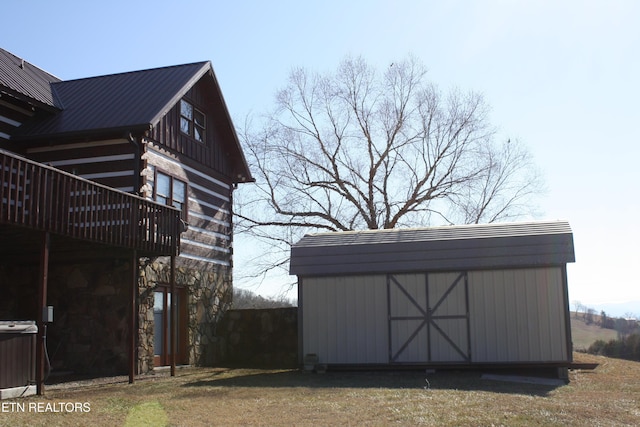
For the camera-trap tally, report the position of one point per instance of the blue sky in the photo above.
(563, 77)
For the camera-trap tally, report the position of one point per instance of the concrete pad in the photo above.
(526, 380)
(13, 392)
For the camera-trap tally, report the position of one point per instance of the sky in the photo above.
(562, 77)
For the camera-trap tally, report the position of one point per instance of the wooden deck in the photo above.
(39, 197)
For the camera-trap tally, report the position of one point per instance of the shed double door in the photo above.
(428, 318)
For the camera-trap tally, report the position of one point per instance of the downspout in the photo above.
(137, 167)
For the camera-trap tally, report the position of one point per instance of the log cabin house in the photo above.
(116, 210)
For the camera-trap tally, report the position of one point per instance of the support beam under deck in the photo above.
(43, 279)
(133, 315)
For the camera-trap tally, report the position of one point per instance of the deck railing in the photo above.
(44, 198)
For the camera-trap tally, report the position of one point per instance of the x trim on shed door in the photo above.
(428, 318)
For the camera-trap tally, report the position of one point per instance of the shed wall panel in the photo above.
(409, 337)
(517, 315)
(344, 319)
(497, 316)
(447, 298)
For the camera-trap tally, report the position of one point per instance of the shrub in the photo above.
(597, 347)
(624, 348)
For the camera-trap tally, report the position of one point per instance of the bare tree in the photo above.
(360, 149)
(578, 307)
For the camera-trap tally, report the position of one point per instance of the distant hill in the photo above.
(584, 335)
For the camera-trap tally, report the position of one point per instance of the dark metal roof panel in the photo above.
(25, 80)
(434, 249)
(127, 100)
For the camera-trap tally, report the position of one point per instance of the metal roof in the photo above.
(26, 81)
(112, 104)
(461, 247)
(133, 100)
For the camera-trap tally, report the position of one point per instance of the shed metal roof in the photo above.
(26, 81)
(462, 247)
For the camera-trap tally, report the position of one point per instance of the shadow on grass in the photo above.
(441, 380)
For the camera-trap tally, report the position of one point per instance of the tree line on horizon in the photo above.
(245, 299)
(624, 325)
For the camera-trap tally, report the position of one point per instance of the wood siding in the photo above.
(210, 153)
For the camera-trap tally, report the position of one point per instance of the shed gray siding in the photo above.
(514, 316)
(342, 322)
(518, 315)
(479, 294)
(449, 248)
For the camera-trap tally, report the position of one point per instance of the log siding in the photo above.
(111, 162)
(12, 114)
(208, 238)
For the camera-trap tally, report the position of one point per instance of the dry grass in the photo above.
(610, 395)
(584, 335)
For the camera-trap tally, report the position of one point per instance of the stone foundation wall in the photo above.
(90, 332)
(91, 303)
(260, 338)
(209, 296)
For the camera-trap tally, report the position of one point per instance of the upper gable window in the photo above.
(192, 121)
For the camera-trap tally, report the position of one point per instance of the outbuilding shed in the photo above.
(491, 294)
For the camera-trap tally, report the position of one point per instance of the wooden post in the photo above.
(173, 317)
(42, 303)
(133, 314)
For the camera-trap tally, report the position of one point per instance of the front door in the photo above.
(428, 318)
(162, 322)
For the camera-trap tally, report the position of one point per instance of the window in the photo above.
(192, 121)
(171, 191)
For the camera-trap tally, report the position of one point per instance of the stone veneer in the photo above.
(90, 332)
(209, 296)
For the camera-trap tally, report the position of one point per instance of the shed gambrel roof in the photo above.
(449, 248)
(26, 82)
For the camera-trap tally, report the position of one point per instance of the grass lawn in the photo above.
(610, 395)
